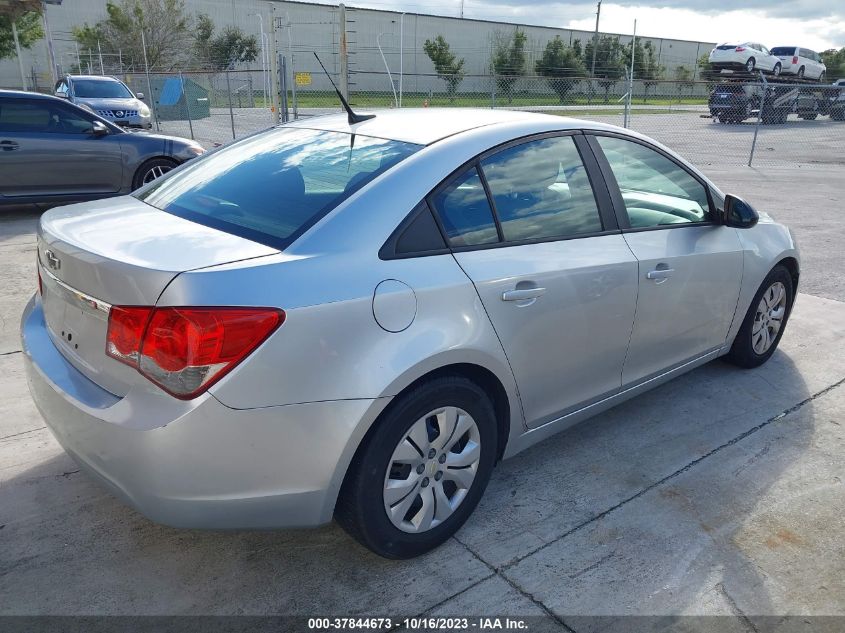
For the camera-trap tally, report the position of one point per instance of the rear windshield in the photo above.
(272, 186)
(783, 50)
(100, 89)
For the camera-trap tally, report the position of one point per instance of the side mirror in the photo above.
(98, 128)
(738, 213)
(139, 95)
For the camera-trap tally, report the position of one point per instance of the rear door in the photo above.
(690, 268)
(47, 148)
(538, 239)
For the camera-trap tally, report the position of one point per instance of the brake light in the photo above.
(740, 49)
(184, 350)
(795, 60)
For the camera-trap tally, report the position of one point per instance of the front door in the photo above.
(47, 148)
(690, 268)
(558, 284)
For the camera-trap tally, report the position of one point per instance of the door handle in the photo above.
(8, 146)
(523, 294)
(660, 274)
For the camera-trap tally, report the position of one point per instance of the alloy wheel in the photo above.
(768, 319)
(432, 469)
(155, 172)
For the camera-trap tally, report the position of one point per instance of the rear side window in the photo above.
(541, 190)
(784, 51)
(272, 186)
(465, 211)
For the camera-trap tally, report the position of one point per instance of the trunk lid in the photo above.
(119, 251)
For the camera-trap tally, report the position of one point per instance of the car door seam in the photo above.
(525, 426)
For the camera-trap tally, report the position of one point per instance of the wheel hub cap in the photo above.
(432, 469)
(768, 319)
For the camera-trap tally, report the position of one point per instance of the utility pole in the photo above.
(18, 53)
(344, 53)
(595, 40)
(48, 35)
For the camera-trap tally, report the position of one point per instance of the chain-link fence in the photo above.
(212, 107)
(722, 121)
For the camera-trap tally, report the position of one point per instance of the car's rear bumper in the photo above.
(199, 463)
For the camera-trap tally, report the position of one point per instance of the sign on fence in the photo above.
(303, 79)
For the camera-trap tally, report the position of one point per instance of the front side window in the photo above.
(465, 211)
(656, 191)
(272, 186)
(40, 116)
(100, 89)
(541, 190)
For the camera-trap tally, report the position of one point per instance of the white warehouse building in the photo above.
(304, 28)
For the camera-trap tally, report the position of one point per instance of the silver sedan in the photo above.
(360, 320)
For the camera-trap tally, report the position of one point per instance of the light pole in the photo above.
(595, 40)
(387, 68)
(263, 57)
(401, 54)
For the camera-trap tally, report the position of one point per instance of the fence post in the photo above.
(283, 89)
(187, 105)
(149, 83)
(492, 91)
(231, 112)
(765, 86)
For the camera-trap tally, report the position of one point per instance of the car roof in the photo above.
(25, 94)
(424, 126)
(93, 77)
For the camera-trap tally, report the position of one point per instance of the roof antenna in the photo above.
(353, 118)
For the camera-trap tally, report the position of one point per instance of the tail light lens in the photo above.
(740, 49)
(185, 350)
(794, 60)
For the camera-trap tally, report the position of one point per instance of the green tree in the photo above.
(835, 61)
(610, 62)
(509, 61)
(683, 79)
(703, 68)
(647, 68)
(225, 50)
(446, 65)
(561, 65)
(165, 25)
(27, 19)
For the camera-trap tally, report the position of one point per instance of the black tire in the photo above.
(360, 507)
(776, 70)
(809, 117)
(164, 164)
(742, 351)
(801, 73)
(821, 77)
(750, 64)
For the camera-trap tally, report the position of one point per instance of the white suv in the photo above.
(801, 62)
(747, 57)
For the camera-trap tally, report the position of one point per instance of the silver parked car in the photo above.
(108, 97)
(54, 152)
(358, 321)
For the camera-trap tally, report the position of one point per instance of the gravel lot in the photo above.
(719, 493)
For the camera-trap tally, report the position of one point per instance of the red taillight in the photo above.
(125, 330)
(740, 49)
(794, 60)
(185, 350)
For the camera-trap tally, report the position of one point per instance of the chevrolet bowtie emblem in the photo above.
(52, 261)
